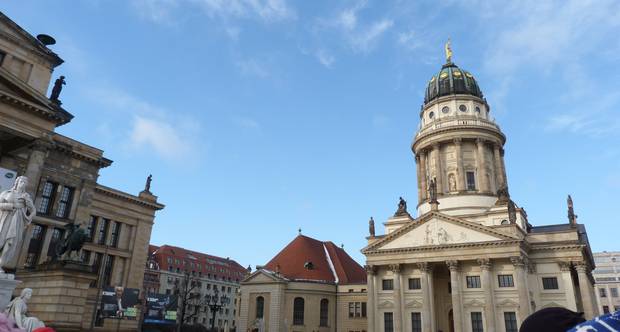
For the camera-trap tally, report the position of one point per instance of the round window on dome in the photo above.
(462, 108)
(431, 115)
(445, 110)
(477, 109)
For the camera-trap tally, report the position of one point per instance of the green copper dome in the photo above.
(451, 80)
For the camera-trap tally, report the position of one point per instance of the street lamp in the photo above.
(215, 303)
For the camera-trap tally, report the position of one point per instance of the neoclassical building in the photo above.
(309, 286)
(63, 175)
(470, 261)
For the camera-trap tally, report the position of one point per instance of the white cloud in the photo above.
(171, 138)
(160, 136)
(364, 41)
(410, 40)
(158, 11)
(325, 58)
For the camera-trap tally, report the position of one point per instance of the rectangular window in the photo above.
(388, 284)
(57, 235)
(64, 202)
(2, 55)
(47, 198)
(505, 280)
(34, 248)
(96, 267)
(116, 229)
(605, 309)
(510, 320)
(550, 283)
(388, 321)
(414, 283)
(476, 322)
(416, 322)
(103, 230)
(471, 180)
(107, 273)
(90, 228)
(351, 309)
(363, 309)
(602, 292)
(614, 292)
(473, 281)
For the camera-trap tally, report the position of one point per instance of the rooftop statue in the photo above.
(57, 88)
(448, 50)
(16, 213)
(147, 186)
(371, 227)
(402, 208)
(432, 191)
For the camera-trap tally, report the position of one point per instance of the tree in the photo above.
(191, 303)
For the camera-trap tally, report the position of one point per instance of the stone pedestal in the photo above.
(59, 292)
(7, 286)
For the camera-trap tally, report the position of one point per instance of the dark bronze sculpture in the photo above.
(402, 208)
(572, 217)
(371, 227)
(432, 191)
(72, 243)
(147, 186)
(57, 89)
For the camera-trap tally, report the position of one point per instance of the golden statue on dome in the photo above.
(448, 50)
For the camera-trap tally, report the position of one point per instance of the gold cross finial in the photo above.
(448, 50)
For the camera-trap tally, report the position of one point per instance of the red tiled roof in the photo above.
(186, 257)
(328, 262)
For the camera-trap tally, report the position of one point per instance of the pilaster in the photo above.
(371, 271)
(486, 279)
(438, 168)
(524, 304)
(398, 310)
(457, 305)
(481, 165)
(460, 173)
(426, 297)
(423, 175)
(584, 288)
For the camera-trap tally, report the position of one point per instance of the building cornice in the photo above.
(107, 191)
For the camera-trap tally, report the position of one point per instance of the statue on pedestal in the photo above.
(71, 245)
(16, 310)
(371, 227)
(16, 213)
(402, 208)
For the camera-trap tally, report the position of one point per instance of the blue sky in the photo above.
(257, 117)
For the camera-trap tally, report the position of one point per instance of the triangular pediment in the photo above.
(414, 304)
(436, 229)
(507, 303)
(386, 304)
(263, 276)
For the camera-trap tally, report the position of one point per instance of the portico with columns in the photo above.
(470, 261)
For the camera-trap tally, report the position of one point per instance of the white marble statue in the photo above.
(16, 212)
(16, 310)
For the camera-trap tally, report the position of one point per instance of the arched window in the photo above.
(324, 310)
(298, 311)
(260, 307)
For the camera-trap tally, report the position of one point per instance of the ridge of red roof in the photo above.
(330, 263)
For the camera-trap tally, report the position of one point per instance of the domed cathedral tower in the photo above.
(469, 261)
(459, 150)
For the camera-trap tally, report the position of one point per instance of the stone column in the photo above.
(36, 160)
(45, 245)
(372, 296)
(460, 173)
(584, 289)
(481, 165)
(567, 280)
(438, 168)
(457, 306)
(486, 279)
(426, 297)
(419, 178)
(501, 179)
(521, 276)
(423, 174)
(398, 316)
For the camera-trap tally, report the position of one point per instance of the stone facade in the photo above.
(309, 286)
(173, 263)
(607, 279)
(470, 261)
(63, 177)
